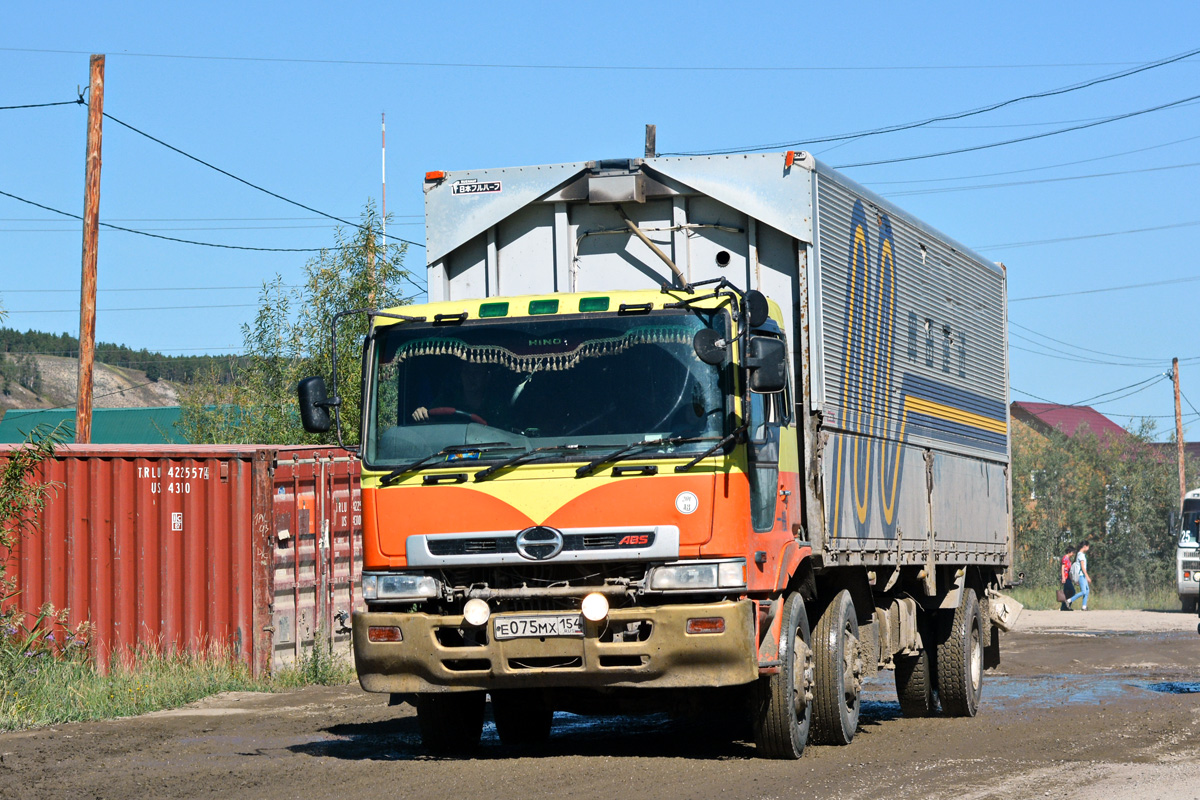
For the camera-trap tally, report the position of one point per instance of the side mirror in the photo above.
(756, 309)
(711, 347)
(314, 405)
(767, 362)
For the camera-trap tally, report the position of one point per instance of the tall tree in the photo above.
(290, 338)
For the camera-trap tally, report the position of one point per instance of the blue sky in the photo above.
(272, 93)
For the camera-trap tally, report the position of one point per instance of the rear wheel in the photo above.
(522, 717)
(451, 722)
(914, 685)
(783, 711)
(838, 671)
(960, 658)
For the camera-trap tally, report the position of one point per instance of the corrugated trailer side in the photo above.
(910, 378)
(250, 548)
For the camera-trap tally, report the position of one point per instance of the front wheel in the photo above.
(451, 722)
(960, 658)
(839, 673)
(783, 710)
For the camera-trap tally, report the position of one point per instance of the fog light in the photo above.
(595, 607)
(384, 633)
(476, 612)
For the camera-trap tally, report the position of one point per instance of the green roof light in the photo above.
(493, 310)
(543, 306)
(593, 304)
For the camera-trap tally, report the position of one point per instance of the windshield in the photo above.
(522, 383)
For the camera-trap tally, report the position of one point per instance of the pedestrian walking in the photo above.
(1080, 575)
(1068, 585)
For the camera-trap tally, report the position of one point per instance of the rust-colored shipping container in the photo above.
(252, 547)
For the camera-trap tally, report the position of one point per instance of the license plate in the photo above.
(538, 626)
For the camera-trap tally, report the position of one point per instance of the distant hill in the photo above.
(114, 387)
(39, 370)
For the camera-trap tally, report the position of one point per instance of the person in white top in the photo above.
(1080, 575)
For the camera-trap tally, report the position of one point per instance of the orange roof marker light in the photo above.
(789, 158)
(435, 175)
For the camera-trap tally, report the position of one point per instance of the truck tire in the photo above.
(522, 717)
(838, 671)
(914, 685)
(960, 658)
(451, 722)
(783, 701)
(1189, 604)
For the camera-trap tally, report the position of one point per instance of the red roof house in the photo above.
(1070, 420)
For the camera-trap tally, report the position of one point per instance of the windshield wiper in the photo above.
(617, 455)
(421, 463)
(733, 435)
(521, 458)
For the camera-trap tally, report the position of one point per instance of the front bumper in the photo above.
(668, 658)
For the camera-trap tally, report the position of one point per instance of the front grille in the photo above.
(599, 540)
(1191, 564)
(472, 546)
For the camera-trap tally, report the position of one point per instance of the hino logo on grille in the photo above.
(540, 543)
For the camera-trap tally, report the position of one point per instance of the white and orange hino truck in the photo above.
(724, 434)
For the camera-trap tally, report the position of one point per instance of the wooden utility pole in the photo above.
(91, 224)
(1179, 431)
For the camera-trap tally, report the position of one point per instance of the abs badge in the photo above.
(472, 186)
(686, 503)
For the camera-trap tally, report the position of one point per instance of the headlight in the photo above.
(399, 586)
(700, 575)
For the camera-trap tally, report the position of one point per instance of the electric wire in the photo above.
(1023, 170)
(1190, 279)
(581, 67)
(1030, 138)
(41, 105)
(404, 273)
(171, 238)
(1035, 242)
(975, 187)
(1149, 359)
(952, 116)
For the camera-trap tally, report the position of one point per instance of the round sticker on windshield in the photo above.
(686, 502)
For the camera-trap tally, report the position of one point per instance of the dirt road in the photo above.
(1103, 714)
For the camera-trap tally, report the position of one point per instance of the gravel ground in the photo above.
(1110, 709)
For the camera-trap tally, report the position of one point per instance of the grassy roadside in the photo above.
(1043, 598)
(46, 689)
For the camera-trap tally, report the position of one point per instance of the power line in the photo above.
(151, 289)
(41, 105)
(1150, 359)
(200, 219)
(944, 189)
(1107, 413)
(194, 228)
(1043, 135)
(142, 308)
(1034, 242)
(580, 67)
(403, 273)
(1108, 157)
(171, 238)
(229, 174)
(1170, 281)
(1144, 385)
(904, 126)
